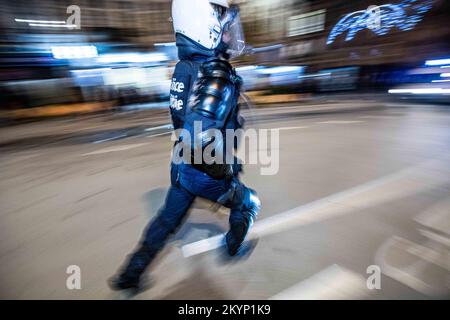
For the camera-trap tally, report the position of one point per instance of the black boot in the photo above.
(130, 277)
(122, 282)
(237, 252)
(235, 237)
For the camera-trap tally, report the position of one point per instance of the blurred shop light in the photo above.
(90, 70)
(40, 21)
(445, 67)
(86, 73)
(438, 62)
(46, 23)
(246, 68)
(420, 91)
(440, 81)
(53, 25)
(132, 57)
(445, 75)
(283, 69)
(424, 71)
(316, 75)
(74, 52)
(166, 44)
(381, 19)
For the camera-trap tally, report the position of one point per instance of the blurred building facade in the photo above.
(426, 39)
(300, 26)
(140, 21)
(282, 32)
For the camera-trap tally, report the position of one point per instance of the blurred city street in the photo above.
(350, 102)
(360, 183)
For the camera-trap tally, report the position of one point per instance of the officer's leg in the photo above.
(244, 209)
(242, 201)
(176, 205)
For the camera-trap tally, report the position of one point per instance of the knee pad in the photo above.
(251, 205)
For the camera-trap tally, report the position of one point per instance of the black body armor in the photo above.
(214, 102)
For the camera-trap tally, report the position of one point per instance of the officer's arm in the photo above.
(214, 94)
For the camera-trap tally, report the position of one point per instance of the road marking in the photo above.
(419, 274)
(341, 122)
(338, 204)
(436, 237)
(109, 139)
(331, 283)
(115, 149)
(164, 126)
(289, 128)
(378, 117)
(441, 259)
(437, 217)
(159, 134)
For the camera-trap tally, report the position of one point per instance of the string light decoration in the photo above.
(403, 16)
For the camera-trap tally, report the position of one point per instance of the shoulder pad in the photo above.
(217, 68)
(215, 90)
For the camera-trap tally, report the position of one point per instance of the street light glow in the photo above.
(40, 21)
(438, 62)
(74, 52)
(52, 25)
(421, 91)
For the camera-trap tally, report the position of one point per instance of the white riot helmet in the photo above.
(206, 21)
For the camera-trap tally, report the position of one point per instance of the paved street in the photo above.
(365, 186)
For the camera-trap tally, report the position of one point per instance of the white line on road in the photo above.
(159, 134)
(378, 117)
(164, 126)
(416, 269)
(341, 121)
(109, 139)
(338, 204)
(290, 128)
(115, 149)
(331, 283)
(437, 217)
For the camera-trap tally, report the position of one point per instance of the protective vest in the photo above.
(214, 105)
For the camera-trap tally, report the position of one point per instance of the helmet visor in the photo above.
(233, 32)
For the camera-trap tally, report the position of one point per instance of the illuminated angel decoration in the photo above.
(381, 19)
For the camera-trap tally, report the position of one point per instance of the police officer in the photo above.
(208, 32)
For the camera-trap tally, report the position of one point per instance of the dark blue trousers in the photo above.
(187, 184)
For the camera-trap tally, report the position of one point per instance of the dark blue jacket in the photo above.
(191, 56)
